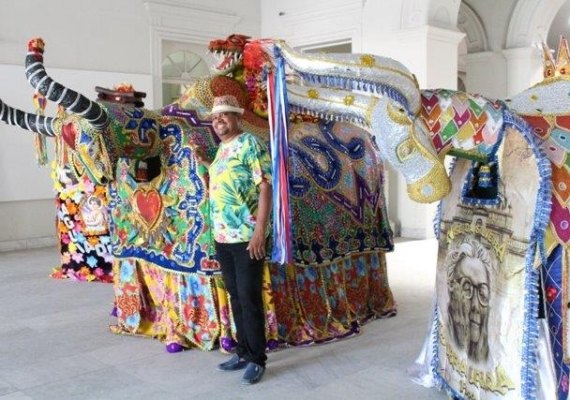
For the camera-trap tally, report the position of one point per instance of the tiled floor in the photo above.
(55, 344)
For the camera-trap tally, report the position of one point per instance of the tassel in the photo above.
(282, 252)
(40, 144)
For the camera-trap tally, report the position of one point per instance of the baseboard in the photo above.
(415, 233)
(25, 244)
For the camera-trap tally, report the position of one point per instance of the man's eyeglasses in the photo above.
(468, 288)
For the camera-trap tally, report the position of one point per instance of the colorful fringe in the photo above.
(282, 252)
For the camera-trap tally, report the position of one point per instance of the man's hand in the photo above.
(256, 245)
(200, 154)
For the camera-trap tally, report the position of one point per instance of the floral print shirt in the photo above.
(235, 174)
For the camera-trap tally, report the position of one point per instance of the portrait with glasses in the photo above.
(469, 270)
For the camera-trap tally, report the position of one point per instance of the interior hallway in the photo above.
(55, 344)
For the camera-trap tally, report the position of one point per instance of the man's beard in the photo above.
(223, 130)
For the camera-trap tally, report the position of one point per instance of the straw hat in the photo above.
(227, 103)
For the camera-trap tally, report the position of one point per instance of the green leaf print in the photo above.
(228, 195)
(233, 220)
(242, 178)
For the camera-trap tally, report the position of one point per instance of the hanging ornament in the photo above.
(485, 177)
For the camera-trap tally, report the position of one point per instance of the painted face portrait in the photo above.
(94, 203)
(469, 295)
(94, 216)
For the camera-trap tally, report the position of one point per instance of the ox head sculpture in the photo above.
(378, 93)
(83, 129)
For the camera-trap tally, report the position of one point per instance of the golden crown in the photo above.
(560, 68)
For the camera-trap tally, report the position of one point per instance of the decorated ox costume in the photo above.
(168, 282)
(545, 108)
(485, 335)
(82, 221)
(490, 226)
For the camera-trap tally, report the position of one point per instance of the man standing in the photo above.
(240, 203)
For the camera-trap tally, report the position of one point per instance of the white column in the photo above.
(430, 53)
(486, 74)
(524, 68)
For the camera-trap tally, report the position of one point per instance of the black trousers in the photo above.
(243, 278)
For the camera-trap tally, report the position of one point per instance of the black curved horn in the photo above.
(31, 122)
(69, 99)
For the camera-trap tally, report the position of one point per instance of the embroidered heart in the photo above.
(69, 133)
(149, 205)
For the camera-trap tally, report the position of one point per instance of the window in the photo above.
(179, 70)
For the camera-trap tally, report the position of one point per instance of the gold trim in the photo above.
(315, 95)
(439, 182)
(405, 150)
(399, 116)
(550, 81)
(438, 173)
(371, 106)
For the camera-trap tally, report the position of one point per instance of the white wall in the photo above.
(88, 44)
(303, 23)
(102, 35)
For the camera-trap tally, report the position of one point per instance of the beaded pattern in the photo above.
(175, 241)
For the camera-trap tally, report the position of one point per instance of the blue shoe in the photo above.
(233, 364)
(253, 374)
